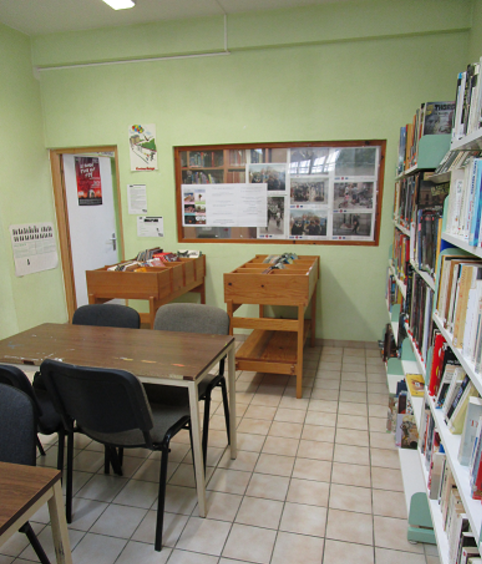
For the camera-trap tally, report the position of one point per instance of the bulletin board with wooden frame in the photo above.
(300, 193)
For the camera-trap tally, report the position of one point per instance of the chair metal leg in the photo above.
(207, 409)
(106, 460)
(32, 537)
(60, 450)
(224, 391)
(70, 470)
(39, 446)
(114, 459)
(161, 497)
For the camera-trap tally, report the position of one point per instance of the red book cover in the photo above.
(437, 363)
(477, 489)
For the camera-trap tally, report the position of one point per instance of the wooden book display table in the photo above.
(158, 285)
(275, 345)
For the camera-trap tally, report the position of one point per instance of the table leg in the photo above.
(197, 450)
(232, 400)
(313, 318)
(58, 523)
(299, 352)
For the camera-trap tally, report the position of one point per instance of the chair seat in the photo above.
(177, 395)
(164, 416)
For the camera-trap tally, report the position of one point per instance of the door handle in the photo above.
(114, 241)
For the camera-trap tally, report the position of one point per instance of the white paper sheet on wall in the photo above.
(34, 247)
(137, 198)
(150, 226)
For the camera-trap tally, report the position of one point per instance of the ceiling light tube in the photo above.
(120, 4)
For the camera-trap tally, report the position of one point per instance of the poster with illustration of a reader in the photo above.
(142, 147)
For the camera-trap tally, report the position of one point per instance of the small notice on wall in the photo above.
(150, 226)
(137, 198)
(143, 149)
(34, 247)
(89, 186)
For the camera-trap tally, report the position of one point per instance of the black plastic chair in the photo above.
(48, 420)
(18, 432)
(107, 315)
(195, 318)
(111, 407)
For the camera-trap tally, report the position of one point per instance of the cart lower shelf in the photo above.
(274, 352)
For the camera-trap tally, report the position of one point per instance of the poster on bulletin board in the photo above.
(34, 247)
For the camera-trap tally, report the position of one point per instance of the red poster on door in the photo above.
(89, 187)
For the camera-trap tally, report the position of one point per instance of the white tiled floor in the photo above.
(316, 481)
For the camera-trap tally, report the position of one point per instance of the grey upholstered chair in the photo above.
(48, 420)
(107, 315)
(18, 433)
(110, 406)
(195, 318)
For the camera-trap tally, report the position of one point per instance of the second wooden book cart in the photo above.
(275, 345)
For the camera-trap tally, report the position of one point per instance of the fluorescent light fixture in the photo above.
(120, 4)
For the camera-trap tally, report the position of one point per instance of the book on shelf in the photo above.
(416, 384)
(448, 486)
(438, 118)
(469, 433)
(468, 552)
(435, 375)
(420, 318)
(401, 150)
(457, 419)
(431, 118)
(457, 526)
(468, 102)
(437, 467)
(456, 388)
(475, 467)
(469, 274)
(406, 433)
(448, 374)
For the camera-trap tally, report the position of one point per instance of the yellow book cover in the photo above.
(416, 384)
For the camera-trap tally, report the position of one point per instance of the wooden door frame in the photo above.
(61, 210)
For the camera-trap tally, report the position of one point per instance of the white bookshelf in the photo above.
(462, 244)
(472, 141)
(451, 443)
(414, 471)
(467, 364)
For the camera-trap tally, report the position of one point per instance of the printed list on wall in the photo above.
(34, 247)
(326, 193)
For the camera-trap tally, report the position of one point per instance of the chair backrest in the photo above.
(101, 401)
(13, 376)
(107, 315)
(192, 318)
(18, 426)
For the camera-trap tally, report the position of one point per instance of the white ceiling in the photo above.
(34, 17)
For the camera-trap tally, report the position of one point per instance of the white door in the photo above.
(92, 220)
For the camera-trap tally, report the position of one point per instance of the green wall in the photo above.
(475, 45)
(306, 75)
(25, 193)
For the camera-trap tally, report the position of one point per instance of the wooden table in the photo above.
(158, 286)
(274, 345)
(23, 491)
(157, 357)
